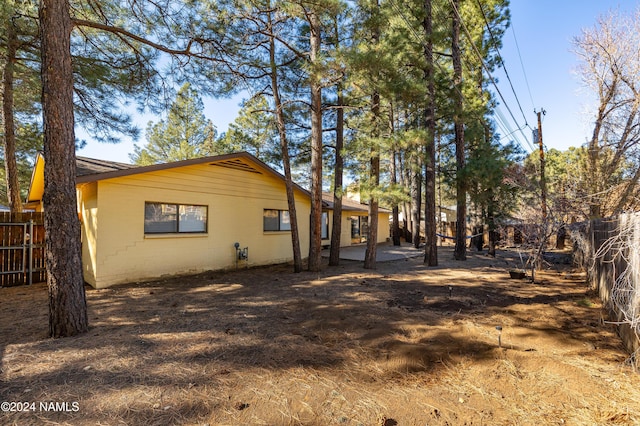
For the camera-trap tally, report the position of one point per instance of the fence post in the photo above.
(30, 251)
(25, 237)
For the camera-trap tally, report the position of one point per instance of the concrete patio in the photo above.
(385, 252)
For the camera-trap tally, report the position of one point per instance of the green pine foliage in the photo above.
(373, 51)
(185, 133)
(254, 131)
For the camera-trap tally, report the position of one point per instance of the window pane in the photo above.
(364, 228)
(160, 218)
(355, 227)
(193, 219)
(270, 220)
(285, 223)
(324, 233)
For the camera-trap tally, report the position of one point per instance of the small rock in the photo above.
(384, 421)
(240, 406)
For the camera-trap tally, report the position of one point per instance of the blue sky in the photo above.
(543, 29)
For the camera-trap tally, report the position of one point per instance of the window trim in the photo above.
(280, 222)
(177, 220)
(324, 230)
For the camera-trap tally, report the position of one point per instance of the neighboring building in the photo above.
(354, 222)
(140, 223)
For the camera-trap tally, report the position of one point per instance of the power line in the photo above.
(501, 62)
(420, 39)
(417, 36)
(513, 31)
(500, 119)
(484, 66)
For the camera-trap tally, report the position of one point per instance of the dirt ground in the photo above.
(399, 345)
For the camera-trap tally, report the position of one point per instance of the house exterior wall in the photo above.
(345, 231)
(384, 228)
(235, 200)
(88, 208)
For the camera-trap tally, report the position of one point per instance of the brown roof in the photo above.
(91, 166)
(348, 204)
(91, 170)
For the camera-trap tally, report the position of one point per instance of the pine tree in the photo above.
(458, 118)
(186, 132)
(254, 130)
(67, 301)
(431, 246)
(20, 96)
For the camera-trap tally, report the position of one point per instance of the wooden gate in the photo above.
(21, 248)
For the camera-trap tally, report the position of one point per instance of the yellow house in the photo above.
(354, 222)
(140, 223)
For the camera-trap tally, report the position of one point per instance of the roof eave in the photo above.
(183, 163)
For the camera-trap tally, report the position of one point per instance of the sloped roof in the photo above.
(91, 166)
(348, 204)
(93, 170)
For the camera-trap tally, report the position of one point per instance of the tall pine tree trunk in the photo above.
(416, 200)
(430, 230)
(393, 175)
(460, 251)
(336, 229)
(370, 254)
(405, 181)
(315, 244)
(11, 166)
(67, 300)
(493, 233)
(284, 147)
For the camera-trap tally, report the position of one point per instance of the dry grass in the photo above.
(345, 347)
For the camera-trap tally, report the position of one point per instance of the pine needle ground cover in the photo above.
(461, 343)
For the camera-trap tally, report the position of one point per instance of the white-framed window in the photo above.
(276, 220)
(168, 218)
(324, 233)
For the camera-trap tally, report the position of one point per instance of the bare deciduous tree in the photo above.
(610, 66)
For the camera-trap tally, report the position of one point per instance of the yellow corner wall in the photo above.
(88, 203)
(235, 199)
(384, 229)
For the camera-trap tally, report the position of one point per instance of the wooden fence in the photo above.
(613, 251)
(22, 259)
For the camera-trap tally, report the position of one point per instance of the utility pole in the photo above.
(543, 180)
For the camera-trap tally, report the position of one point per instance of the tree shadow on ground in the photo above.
(193, 333)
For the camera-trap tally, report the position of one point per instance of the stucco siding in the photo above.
(88, 207)
(384, 230)
(235, 200)
(345, 234)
